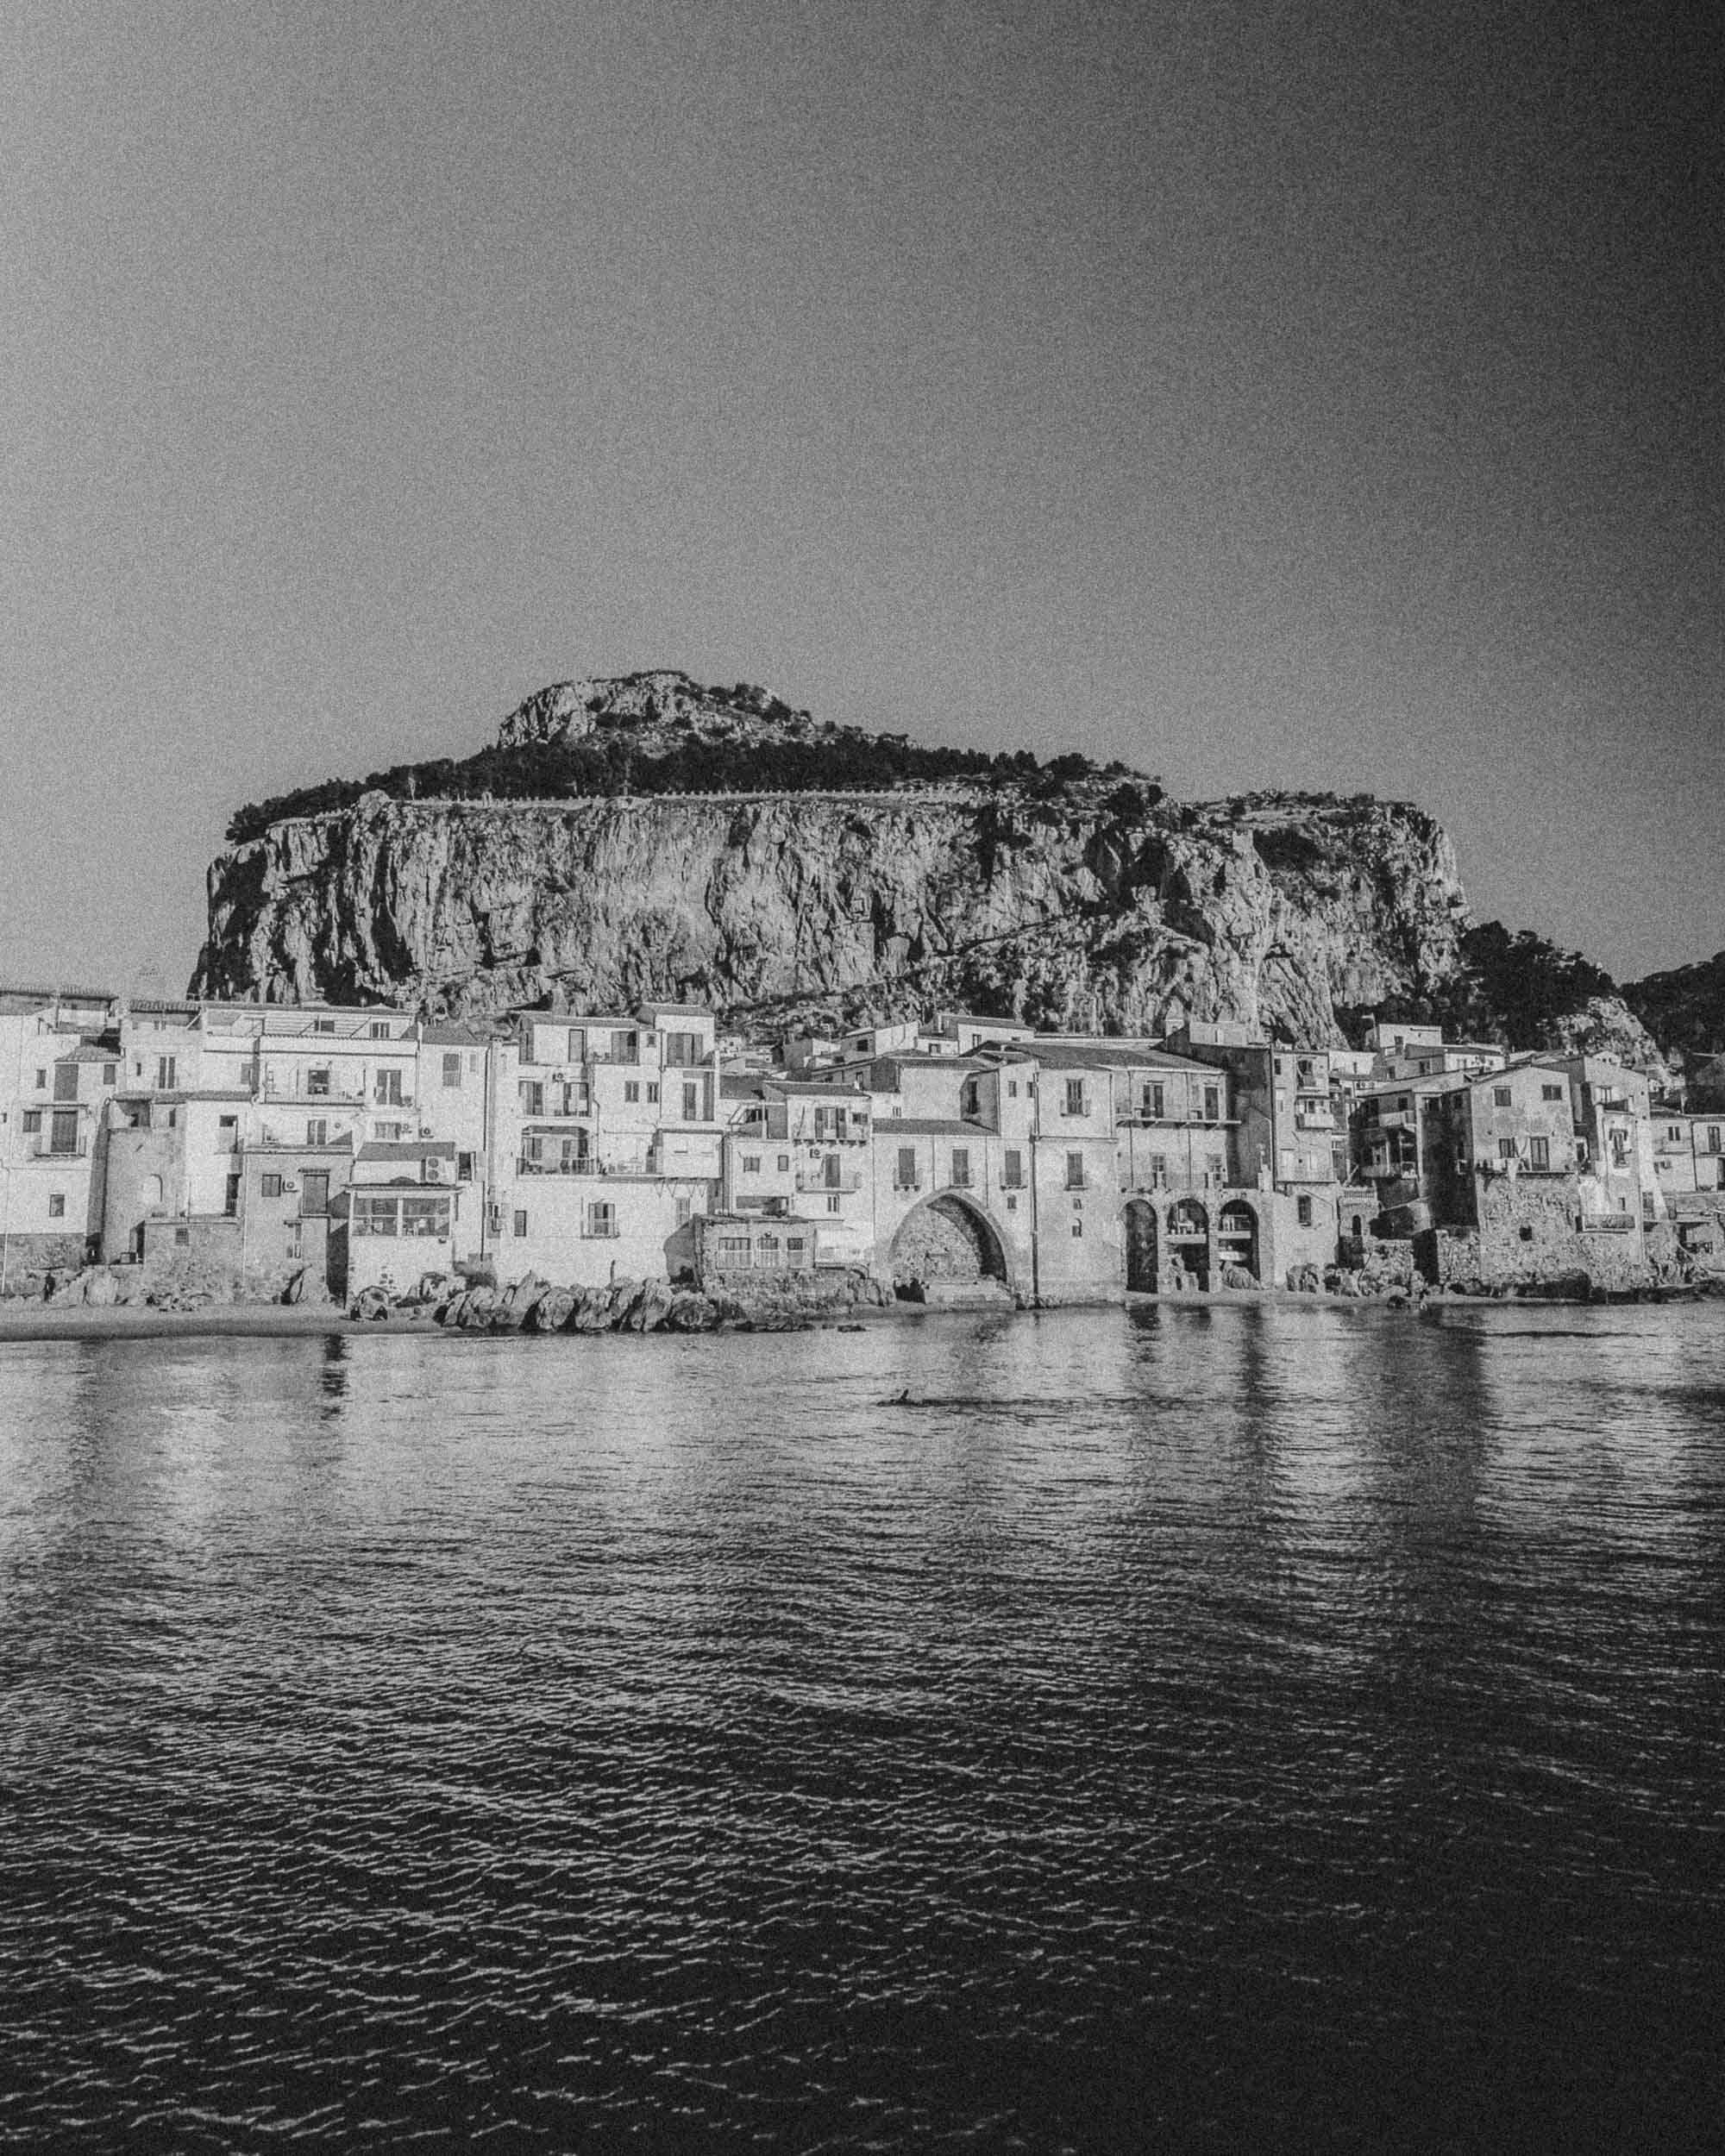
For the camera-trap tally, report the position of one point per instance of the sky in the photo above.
(1324, 396)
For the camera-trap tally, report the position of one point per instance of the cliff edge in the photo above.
(644, 837)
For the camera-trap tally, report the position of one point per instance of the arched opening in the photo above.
(1189, 1244)
(1237, 1244)
(1142, 1261)
(946, 1240)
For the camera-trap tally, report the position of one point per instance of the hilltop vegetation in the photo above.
(613, 763)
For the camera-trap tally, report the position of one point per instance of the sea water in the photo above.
(1237, 1726)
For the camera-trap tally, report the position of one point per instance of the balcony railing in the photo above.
(586, 1166)
(850, 1180)
(45, 1149)
(275, 1089)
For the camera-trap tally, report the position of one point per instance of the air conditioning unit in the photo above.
(434, 1169)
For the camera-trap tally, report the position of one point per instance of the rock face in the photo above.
(1070, 897)
(1071, 916)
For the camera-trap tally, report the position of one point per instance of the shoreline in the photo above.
(26, 1323)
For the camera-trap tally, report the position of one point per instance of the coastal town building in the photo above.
(59, 1060)
(321, 1150)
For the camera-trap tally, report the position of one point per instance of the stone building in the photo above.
(59, 1062)
(605, 1140)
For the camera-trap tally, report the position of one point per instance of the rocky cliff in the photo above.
(1080, 900)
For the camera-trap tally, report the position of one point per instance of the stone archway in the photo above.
(945, 1238)
(1237, 1241)
(1143, 1254)
(1188, 1242)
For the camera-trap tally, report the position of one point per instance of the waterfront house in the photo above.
(58, 1064)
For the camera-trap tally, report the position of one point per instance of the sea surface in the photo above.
(1221, 1728)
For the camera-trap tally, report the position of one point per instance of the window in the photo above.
(63, 1131)
(182, 1237)
(1716, 1138)
(532, 1096)
(794, 1247)
(1012, 1201)
(906, 1178)
(751, 1163)
(464, 1168)
(227, 1134)
(1074, 1096)
(230, 1197)
(33, 1122)
(684, 1208)
(1526, 1234)
(692, 1104)
(652, 1089)
(166, 1070)
(1217, 1168)
(316, 1132)
(1075, 1171)
(520, 1222)
(960, 1168)
(56, 1204)
(682, 1048)
(1550, 1093)
(318, 1083)
(1538, 1152)
(834, 1205)
(110, 1074)
(1302, 1207)
(1646, 1205)
(452, 1068)
(323, 1025)
(1506, 1149)
(66, 1081)
(1012, 1089)
(270, 1187)
(1501, 1096)
(1155, 1103)
(1213, 1104)
(784, 1164)
(1012, 1173)
(631, 1089)
(1158, 1171)
(41, 1081)
(1077, 1227)
(386, 1089)
(379, 1030)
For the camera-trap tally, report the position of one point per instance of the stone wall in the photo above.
(29, 1258)
(1533, 1234)
(939, 1242)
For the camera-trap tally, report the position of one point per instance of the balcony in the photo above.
(45, 1149)
(585, 1166)
(849, 1182)
(275, 1089)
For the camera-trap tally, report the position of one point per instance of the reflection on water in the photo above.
(1238, 1726)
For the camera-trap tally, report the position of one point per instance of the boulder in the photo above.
(372, 1304)
(552, 1311)
(102, 1290)
(649, 1307)
(690, 1312)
